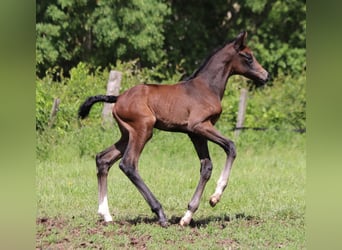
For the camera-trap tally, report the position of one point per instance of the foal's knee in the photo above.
(231, 150)
(206, 169)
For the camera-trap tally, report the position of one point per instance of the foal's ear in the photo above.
(240, 41)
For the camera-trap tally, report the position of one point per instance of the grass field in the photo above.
(263, 206)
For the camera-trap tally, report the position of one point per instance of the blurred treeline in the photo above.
(167, 35)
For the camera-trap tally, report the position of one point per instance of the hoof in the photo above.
(186, 219)
(213, 201)
(164, 224)
(184, 223)
(106, 216)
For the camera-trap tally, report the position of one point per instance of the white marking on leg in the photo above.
(186, 218)
(215, 198)
(104, 210)
(221, 183)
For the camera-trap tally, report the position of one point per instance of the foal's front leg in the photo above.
(207, 130)
(222, 181)
(201, 146)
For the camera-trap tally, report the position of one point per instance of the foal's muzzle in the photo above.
(259, 82)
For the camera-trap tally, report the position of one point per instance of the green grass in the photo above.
(263, 206)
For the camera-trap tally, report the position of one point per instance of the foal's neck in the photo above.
(217, 71)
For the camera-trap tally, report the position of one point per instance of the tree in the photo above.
(277, 31)
(178, 33)
(98, 32)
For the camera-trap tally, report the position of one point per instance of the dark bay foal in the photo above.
(192, 106)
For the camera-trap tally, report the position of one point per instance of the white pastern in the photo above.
(104, 210)
(221, 185)
(186, 218)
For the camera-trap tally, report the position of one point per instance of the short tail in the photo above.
(86, 106)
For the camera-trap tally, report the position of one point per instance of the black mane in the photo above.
(205, 61)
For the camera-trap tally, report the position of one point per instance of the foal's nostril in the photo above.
(268, 77)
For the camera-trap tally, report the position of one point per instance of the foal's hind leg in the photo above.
(129, 165)
(201, 146)
(104, 161)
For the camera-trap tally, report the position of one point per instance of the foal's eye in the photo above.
(248, 57)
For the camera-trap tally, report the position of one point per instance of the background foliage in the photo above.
(177, 33)
(98, 32)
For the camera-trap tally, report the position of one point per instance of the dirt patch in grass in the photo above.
(55, 233)
(61, 233)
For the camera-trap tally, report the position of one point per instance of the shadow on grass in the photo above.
(200, 223)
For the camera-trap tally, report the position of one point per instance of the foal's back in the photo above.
(171, 106)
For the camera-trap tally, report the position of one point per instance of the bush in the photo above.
(71, 92)
(280, 105)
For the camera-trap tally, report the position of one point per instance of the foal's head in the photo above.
(244, 62)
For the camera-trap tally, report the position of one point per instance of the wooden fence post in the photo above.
(54, 111)
(242, 111)
(113, 88)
